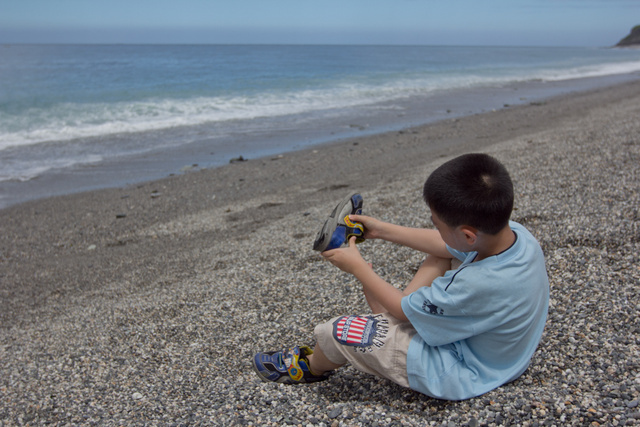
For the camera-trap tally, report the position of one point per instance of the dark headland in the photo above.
(633, 39)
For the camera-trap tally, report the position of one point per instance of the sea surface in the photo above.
(79, 117)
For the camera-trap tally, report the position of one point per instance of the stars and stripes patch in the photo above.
(357, 331)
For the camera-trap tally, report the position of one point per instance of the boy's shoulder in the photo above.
(524, 239)
(517, 227)
(522, 262)
(527, 242)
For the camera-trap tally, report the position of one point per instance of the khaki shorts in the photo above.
(376, 344)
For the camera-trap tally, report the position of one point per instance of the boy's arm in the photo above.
(429, 270)
(421, 239)
(349, 260)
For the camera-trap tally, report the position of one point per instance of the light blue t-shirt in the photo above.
(479, 325)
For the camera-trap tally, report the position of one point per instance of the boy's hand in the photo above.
(346, 259)
(372, 226)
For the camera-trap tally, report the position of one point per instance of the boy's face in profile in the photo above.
(452, 236)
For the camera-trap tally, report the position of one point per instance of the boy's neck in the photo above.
(495, 244)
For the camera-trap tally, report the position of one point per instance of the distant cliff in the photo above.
(633, 39)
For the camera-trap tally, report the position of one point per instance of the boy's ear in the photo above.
(470, 234)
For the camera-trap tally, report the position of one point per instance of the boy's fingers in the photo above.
(327, 254)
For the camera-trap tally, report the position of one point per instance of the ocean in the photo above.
(80, 117)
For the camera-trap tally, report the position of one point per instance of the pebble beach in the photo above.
(144, 305)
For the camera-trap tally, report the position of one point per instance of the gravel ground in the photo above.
(169, 342)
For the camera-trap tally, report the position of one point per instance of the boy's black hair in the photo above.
(472, 189)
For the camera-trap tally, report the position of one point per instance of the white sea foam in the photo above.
(598, 70)
(27, 169)
(69, 121)
(73, 121)
(84, 109)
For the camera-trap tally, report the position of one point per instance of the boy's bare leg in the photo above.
(431, 268)
(318, 362)
(376, 307)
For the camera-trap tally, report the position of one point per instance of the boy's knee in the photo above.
(325, 341)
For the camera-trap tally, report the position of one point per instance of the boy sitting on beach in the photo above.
(451, 334)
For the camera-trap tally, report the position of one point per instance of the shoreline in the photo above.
(141, 304)
(357, 122)
(442, 137)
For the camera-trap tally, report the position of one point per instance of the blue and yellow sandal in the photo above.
(287, 366)
(338, 228)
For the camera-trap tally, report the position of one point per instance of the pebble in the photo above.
(335, 412)
(238, 159)
(187, 339)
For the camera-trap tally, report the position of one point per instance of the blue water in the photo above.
(68, 107)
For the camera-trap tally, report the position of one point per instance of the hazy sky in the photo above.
(449, 22)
